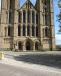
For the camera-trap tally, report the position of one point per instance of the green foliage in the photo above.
(59, 17)
(59, 3)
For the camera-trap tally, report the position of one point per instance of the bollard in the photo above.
(1, 55)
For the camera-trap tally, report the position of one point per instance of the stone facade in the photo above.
(30, 27)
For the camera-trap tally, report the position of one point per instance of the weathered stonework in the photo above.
(29, 27)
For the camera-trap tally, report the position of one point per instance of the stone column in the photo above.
(35, 18)
(52, 33)
(34, 46)
(22, 25)
(30, 30)
(24, 47)
(8, 17)
(22, 17)
(35, 24)
(26, 22)
(35, 30)
(21, 30)
(7, 32)
(31, 23)
(17, 46)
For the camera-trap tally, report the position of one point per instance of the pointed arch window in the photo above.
(24, 16)
(20, 17)
(33, 28)
(19, 29)
(9, 31)
(33, 16)
(28, 17)
(46, 32)
(37, 31)
(24, 30)
(28, 30)
(36, 18)
(11, 17)
(12, 4)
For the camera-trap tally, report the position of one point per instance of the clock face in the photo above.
(59, 3)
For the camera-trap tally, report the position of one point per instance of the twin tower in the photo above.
(27, 28)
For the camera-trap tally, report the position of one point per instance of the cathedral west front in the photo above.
(29, 27)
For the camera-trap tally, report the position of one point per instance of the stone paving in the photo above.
(16, 59)
(26, 69)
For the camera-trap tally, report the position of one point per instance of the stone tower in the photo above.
(9, 21)
(46, 22)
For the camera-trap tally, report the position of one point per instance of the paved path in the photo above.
(10, 67)
(28, 53)
(48, 58)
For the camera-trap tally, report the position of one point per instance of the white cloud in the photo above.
(58, 39)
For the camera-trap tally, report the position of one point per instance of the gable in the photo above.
(28, 5)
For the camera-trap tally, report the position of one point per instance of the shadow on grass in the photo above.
(44, 59)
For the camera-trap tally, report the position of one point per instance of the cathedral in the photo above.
(27, 28)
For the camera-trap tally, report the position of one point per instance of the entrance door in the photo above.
(36, 46)
(28, 45)
(20, 46)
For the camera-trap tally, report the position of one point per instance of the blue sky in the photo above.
(23, 1)
(56, 11)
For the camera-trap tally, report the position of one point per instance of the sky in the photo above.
(56, 24)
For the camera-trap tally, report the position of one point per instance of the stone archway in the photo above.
(20, 47)
(29, 45)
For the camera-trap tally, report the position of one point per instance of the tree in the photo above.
(59, 16)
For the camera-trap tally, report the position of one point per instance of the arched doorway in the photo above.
(20, 47)
(36, 46)
(29, 45)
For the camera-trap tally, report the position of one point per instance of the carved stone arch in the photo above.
(46, 32)
(29, 44)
